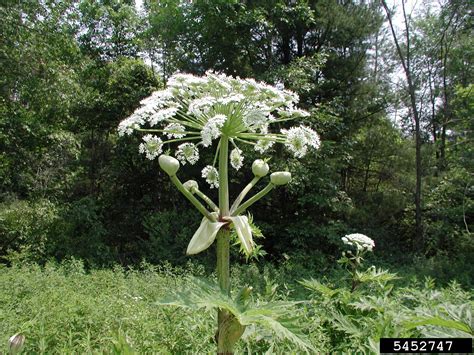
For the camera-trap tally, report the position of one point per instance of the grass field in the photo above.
(64, 309)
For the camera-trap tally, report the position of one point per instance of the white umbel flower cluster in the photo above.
(236, 158)
(175, 130)
(199, 110)
(360, 241)
(298, 139)
(212, 129)
(151, 146)
(211, 175)
(187, 152)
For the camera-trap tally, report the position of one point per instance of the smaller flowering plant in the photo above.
(353, 259)
(360, 241)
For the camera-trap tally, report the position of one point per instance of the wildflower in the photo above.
(152, 146)
(187, 152)
(213, 105)
(360, 241)
(263, 145)
(299, 138)
(236, 158)
(175, 130)
(211, 175)
(212, 129)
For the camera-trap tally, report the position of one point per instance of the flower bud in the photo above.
(280, 178)
(260, 168)
(169, 164)
(191, 186)
(16, 343)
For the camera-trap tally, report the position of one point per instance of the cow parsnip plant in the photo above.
(222, 113)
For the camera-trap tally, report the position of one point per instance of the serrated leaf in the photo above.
(275, 316)
(244, 232)
(315, 285)
(441, 322)
(204, 236)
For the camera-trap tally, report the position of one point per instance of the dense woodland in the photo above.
(395, 116)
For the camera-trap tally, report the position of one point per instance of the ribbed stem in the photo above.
(223, 247)
(223, 176)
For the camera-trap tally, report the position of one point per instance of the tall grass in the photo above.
(66, 309)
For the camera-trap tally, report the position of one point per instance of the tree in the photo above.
(406, 60)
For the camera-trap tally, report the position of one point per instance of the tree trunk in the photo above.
(406, 64)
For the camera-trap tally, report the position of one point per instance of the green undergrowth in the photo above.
(67, 309)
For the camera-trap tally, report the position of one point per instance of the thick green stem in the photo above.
(223, 176)
(244, 192)
(223, 242)
(253, 199)
(224, 345)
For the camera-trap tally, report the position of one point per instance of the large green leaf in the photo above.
(276, 316)
(441, 322)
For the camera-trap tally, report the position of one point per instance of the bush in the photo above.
(27, 228)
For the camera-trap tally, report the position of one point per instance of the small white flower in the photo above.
(152, 146)
(312, 137)
(263, 145)
(231, 98)
(211, 175)
(162, 115)
(296, 141)
(175, 130)
(212, 129)
(201, 106)
(360, 241)
(187, 152)
(256, 120)
(127, 126)
(236, 158)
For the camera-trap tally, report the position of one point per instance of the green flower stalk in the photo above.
(221, 112)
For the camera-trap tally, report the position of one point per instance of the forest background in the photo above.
(396, 126)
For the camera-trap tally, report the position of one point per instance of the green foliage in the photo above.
(64, 308)
(357, 320)
(27, 229)
(168, 234)
(272, 315)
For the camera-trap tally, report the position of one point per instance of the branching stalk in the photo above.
(253, 199)
(244, 192)
(192, 199)
(206, 199)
